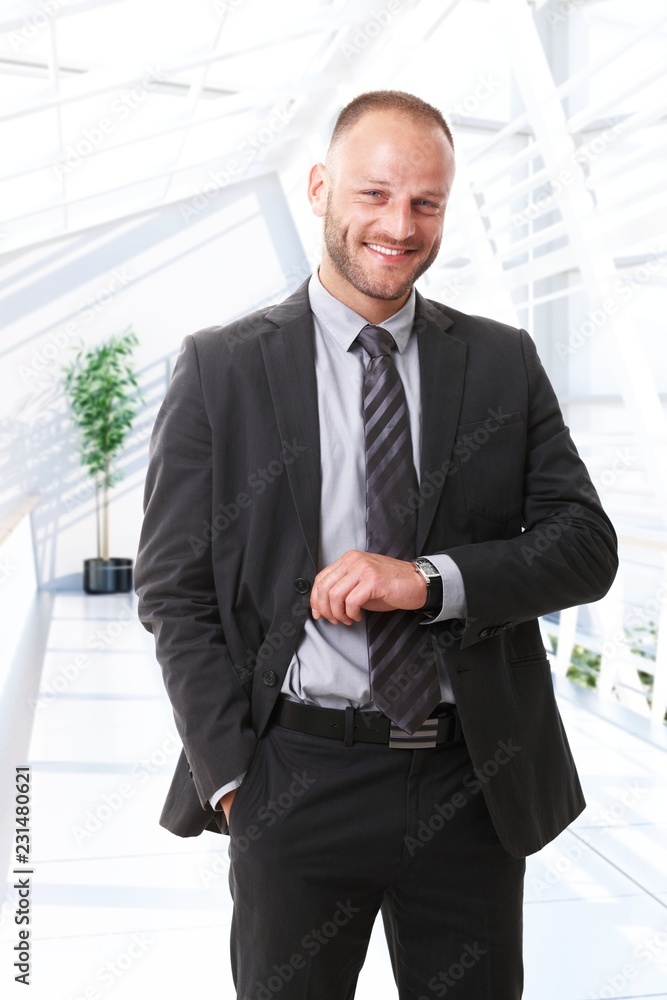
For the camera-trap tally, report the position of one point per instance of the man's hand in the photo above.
(365, 580)
(225, 802)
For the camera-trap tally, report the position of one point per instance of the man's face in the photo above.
(383, 201)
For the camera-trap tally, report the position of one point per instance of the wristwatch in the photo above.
(433, 585)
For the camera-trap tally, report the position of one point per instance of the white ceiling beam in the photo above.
(194, 95)
(611, 55)
(657, 71)
(577, 79)
(99, 82)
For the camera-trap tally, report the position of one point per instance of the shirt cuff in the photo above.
(215, 799)
(453, 591)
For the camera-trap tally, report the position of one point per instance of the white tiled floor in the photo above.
(122, 909)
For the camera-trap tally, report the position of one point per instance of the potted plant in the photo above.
(104, 397)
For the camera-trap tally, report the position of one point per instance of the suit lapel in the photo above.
(442, 372)
(289, 359)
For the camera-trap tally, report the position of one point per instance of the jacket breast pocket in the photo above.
(491, 457)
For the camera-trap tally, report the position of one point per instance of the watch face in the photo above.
(427, 567)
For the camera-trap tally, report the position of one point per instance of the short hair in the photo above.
(388, 100)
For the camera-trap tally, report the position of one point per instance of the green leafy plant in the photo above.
(104, 398)
(584, 666)
(643, 640)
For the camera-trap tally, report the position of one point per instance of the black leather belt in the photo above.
(366, 727)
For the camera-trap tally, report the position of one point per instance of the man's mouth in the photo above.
(390, 252)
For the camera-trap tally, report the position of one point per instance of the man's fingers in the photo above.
(342, 608)
(331, 589)
(324, 592)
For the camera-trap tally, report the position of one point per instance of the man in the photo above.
(358, 503)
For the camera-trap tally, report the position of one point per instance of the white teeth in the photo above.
(390, 253)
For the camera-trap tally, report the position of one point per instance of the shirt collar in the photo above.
(344, 324)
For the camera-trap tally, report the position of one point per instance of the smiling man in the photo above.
(352, 650)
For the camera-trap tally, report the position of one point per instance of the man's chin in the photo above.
(386, 293)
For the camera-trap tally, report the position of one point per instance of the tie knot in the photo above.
(376, 341)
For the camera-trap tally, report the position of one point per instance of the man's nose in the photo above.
(398, 220)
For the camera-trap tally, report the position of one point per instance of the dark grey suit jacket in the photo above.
(229, 548)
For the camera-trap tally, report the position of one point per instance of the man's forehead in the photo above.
(384, 132)
(388, 121)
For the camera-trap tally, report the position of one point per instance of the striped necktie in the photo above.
(403, 676)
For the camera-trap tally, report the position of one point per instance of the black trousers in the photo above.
(322, 836)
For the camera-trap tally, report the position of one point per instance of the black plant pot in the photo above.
(107, 576)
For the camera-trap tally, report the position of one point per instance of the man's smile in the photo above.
(396, 254)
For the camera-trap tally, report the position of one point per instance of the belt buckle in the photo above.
(424, 738)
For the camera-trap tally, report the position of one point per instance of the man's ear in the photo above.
(319, 184)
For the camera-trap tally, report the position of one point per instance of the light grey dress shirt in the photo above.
(330, 665)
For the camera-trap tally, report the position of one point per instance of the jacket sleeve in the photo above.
(566, 554)
(175, 584)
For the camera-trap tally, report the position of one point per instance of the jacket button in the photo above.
(485, 633)
(301, 585)
(269, 677)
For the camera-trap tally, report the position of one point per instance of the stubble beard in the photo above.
(335, 241)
